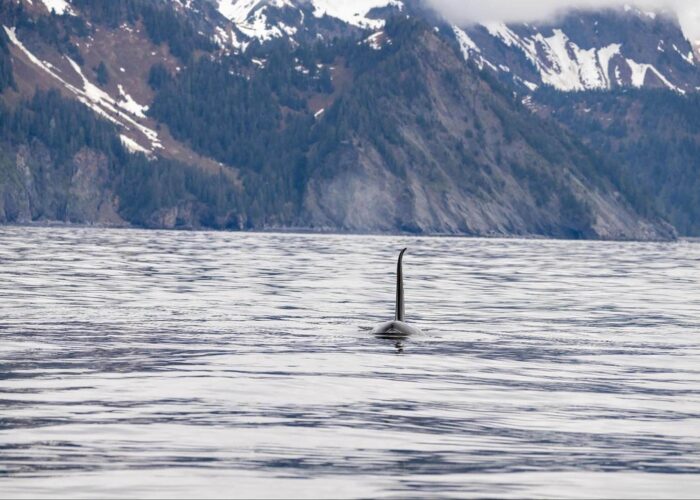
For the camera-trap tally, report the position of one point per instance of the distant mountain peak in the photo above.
(60, 7)
(356, 13)
(588, 50)
(254, 18)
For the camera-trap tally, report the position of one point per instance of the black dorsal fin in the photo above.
(399, 316)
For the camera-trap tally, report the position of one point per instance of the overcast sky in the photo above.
(465, 11)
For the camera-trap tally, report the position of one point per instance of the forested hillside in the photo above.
(653, 137)
(6, 79)
(74, 168)
(187, 115)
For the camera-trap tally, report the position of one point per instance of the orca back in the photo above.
(397, 328)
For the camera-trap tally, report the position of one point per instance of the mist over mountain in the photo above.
(370, 116)
(460, 11)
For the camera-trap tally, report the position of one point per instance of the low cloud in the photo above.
(471, 11)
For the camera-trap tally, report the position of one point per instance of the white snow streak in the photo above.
(60, 7)
(567, 67)
(375, 40)
(469, 48)
(605, 55)
(639, 74)
(90, 95)
(127, 103)
(132, 145)
(560, 62)
(530, 85)
(689, 57)
(250, 16)
(237, 11)
(353, 12)
(466, 44)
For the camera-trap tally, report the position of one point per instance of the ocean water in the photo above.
(200, 364)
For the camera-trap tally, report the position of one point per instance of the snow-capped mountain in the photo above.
(269, 113)
(253, 16)
(588, 50)
(608, 49)
(263, 21)
(584, 50)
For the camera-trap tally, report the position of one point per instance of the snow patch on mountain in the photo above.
(227, 39)
(251, 17)
(564, 65)
(560, 62)
(132, 145)
(375, 40)
(90, 94)
(469, 49)
(258, 27)
(127, 103)
(100, 99)
(639, 75)
(49, 68)
(60, 7)
(605, 56)
(689, 57)
(92, 91)
(466, 44)
(354, 12)
(500, 30)
(238, 11)
(532, 86)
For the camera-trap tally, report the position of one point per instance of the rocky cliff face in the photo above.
(35, 188)
(461, 159)
(90, 198)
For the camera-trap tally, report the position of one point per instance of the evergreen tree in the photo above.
(6, 76)
(102, 74)
(158, 76)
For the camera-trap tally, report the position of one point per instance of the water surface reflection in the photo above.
(138, 363)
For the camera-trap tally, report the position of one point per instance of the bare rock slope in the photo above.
(447, 151)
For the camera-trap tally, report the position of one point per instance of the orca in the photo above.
(398, 327)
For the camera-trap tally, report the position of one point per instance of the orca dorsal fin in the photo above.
(400, 313)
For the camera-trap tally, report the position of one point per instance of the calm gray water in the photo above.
(174, 364)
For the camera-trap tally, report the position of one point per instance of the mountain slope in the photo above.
(289, 114)
(654, 136)
(60, 162)
(444, 150)
(586, 50)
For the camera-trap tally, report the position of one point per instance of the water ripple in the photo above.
(167, 364)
